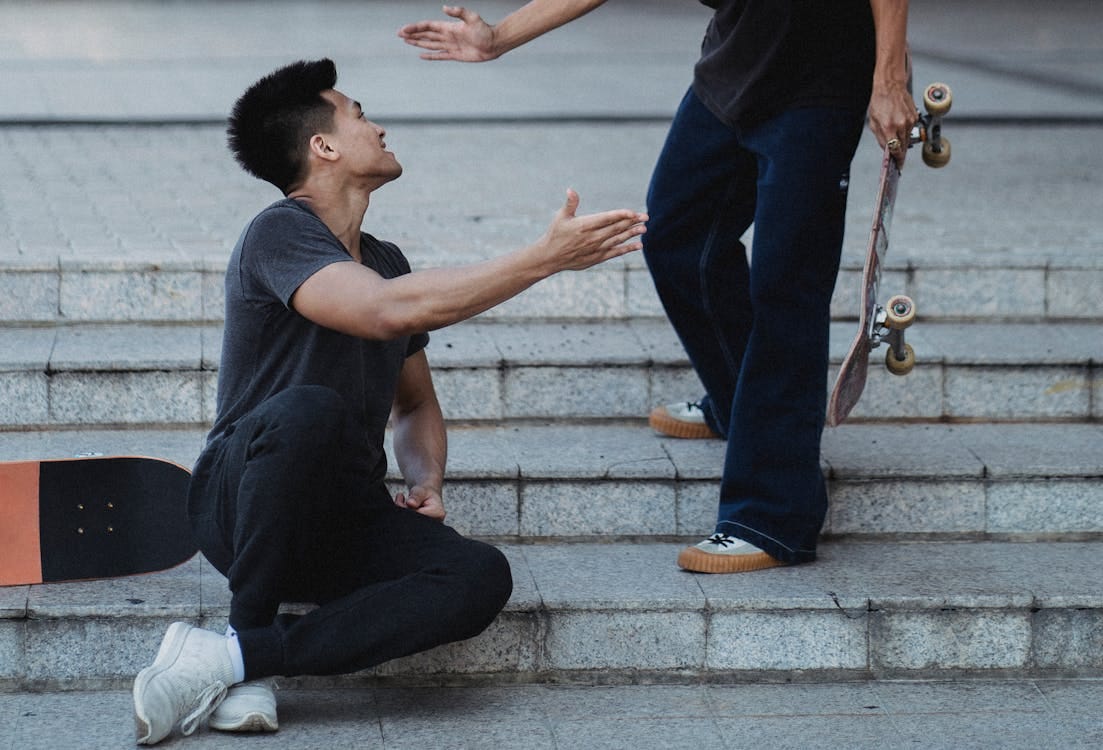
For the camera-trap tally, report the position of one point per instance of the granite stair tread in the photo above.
(626, 612)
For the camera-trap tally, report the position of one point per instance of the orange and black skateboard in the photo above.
(879, 323)
(91, 517)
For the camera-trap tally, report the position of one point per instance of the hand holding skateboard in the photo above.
(886, 323)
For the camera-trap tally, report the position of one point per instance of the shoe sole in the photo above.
(698, 561)
(661, 422)
(171, 646)
(252, 722)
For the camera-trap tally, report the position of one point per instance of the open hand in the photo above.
(576, 242)
(470, 39)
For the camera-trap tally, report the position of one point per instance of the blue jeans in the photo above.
(756, 332)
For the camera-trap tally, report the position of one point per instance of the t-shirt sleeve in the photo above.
(285, 247)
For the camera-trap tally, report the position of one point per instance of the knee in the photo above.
(486, 584)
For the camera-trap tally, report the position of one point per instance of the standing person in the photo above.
(324, 341)
(764, 136)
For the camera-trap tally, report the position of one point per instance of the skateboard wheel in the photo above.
(899, 312)
(937, 99)
(937, 158)
(900, 366)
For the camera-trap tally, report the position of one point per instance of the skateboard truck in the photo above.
(928, 129)
(888, 324)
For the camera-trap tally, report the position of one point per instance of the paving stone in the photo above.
(593, 508)
(127, 348)
(24, 398)
(1073, 293)
(785, 641)
(26, 348)
(1068, 640)
(1049, 450)
(28, 295)
(596, 640)
(126, 398)
(1050, 506)
(929, 642)
(12, 640)
(130, 294)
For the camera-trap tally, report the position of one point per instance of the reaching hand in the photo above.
(425, 500)
(470, 39)
(578, 242)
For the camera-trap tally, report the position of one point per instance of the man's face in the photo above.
(360, 141)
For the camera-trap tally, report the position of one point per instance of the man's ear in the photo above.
(322, 148)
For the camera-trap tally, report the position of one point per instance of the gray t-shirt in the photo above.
(267, 347)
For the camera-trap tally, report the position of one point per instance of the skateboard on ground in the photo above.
(879, 323)
(91, 517)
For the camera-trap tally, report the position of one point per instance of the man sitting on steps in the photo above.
(324, 341)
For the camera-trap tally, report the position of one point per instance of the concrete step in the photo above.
(530, 482)
(148, 289)
(489, 371)
(625, 613)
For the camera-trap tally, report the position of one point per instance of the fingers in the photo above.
(624, 236)
(615, 233)
(462, 13)
(579, 242)
(423, 33)
(571, 206)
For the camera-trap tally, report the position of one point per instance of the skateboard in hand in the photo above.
(886, 323)
(91, 517)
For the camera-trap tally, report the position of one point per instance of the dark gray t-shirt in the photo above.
(267, 347)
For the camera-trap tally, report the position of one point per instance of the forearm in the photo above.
(438, 297)
(354, 300)
(890, 19)
(892, 110)
(535, 18)
(421, 445)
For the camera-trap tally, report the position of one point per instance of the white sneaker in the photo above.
(249, 707)
(184, 684)
(721, 553)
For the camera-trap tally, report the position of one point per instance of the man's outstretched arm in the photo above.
(353, 299)
(471, 39)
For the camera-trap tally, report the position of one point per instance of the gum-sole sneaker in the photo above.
(684, 420)
(725, 554)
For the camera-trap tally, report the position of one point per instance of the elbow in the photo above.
(388, 326)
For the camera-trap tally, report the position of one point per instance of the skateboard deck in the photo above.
(91, 517)
(886, 323)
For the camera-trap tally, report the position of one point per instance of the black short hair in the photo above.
(271, 124)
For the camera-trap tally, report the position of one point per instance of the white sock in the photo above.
(233, 648)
